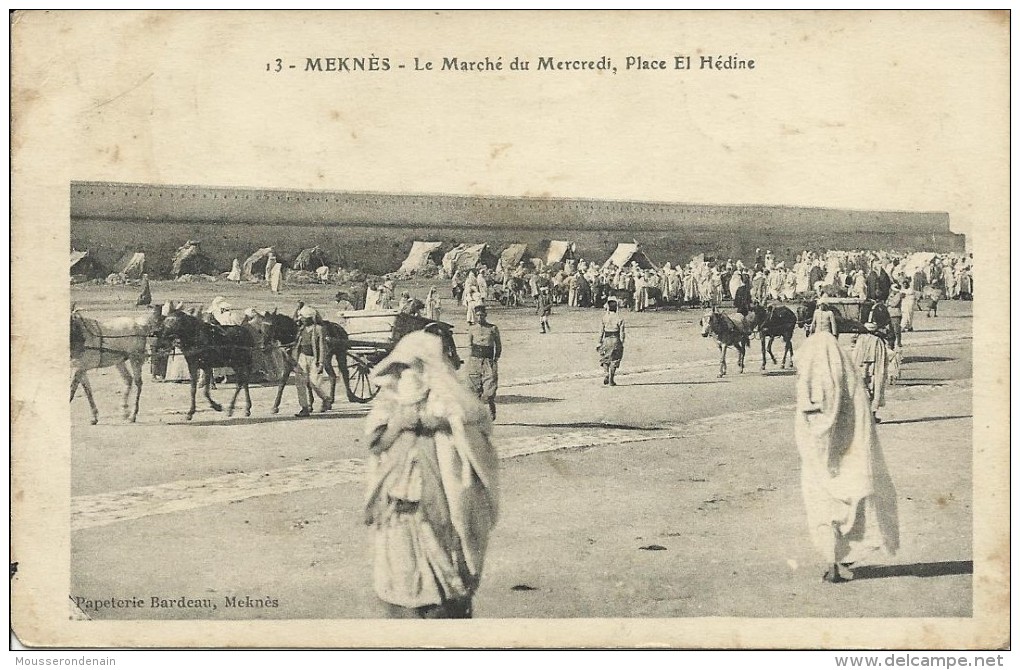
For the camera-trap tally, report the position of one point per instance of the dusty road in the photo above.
(673, 494)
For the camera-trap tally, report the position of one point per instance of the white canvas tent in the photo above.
(189, 260)
(311, 259)
(511, 256)
(132, 265)
(419, 256)
(255, 265)
(76, 257)
(559, 251)
(85, 264)
(626, 254)
(464, 257)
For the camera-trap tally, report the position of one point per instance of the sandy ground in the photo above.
(673, 494)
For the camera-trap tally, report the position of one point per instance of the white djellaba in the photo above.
(433, 486)
(848, 493)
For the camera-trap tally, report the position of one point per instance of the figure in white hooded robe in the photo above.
(433, 490)
(848, 493)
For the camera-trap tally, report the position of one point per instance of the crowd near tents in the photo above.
(527, 267)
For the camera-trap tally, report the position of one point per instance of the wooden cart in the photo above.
(853, 313)
(374, 333)
(847, 308)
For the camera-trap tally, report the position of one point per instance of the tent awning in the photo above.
(132, 265)
(512, 255)
(559, 250)
(626, 254)
(463, 257)
(419, 255)
(311, 259)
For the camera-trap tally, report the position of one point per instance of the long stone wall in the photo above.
(373, 231)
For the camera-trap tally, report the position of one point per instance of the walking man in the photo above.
(611, 342)
(309, 353)
(483, 365)
(544, 309)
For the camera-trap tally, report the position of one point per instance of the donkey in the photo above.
(727, 333)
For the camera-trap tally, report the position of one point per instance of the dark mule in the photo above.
(207, 346)
(281, 330)
(727, 334)
(771, 322)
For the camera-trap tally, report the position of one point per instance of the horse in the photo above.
(773, 321)
(281, 330)
(727, 334)
(206, 346)
(116, 342)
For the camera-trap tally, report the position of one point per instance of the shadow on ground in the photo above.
(511, 399)
(940, 569)
(278, 418)
(583, 424)
(925, 419)
(927, 359)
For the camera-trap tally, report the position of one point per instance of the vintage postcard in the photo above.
(588, 329)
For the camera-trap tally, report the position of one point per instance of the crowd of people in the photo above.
(703, 282)
(706, 281)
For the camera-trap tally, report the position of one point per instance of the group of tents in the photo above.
(465, 257)
(190, 260)
(85, 264)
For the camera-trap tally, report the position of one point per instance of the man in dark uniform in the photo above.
(483, 365)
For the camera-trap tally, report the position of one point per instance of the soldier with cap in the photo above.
(309, 354)
(483, 365)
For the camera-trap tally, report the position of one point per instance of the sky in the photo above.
(863, 110)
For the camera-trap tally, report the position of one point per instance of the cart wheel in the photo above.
(362, 390)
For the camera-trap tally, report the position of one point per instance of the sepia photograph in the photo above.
(598, 329)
